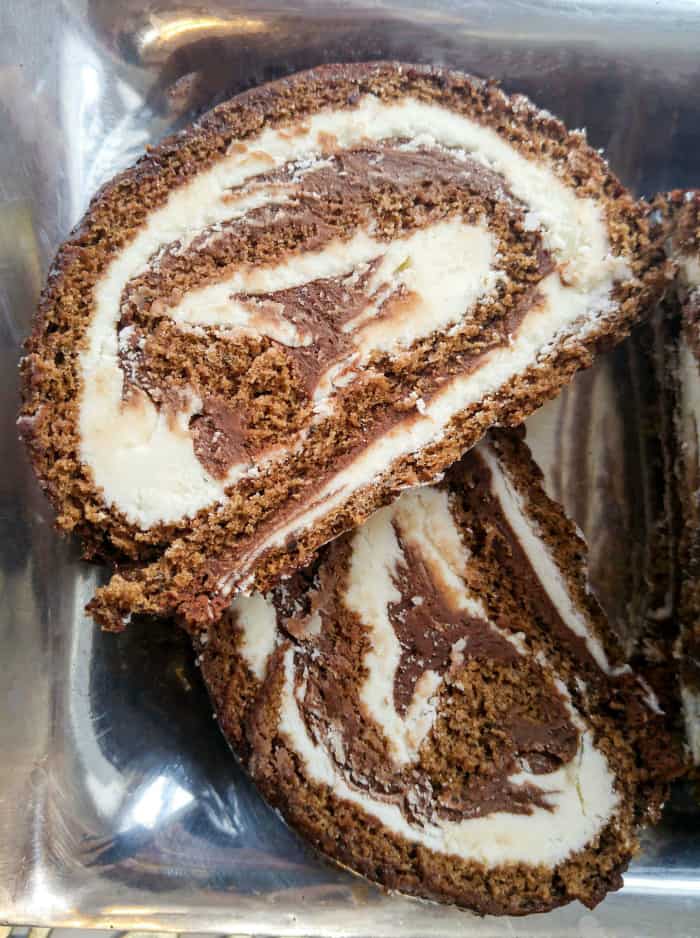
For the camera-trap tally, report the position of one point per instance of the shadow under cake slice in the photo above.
(439, 704)
(324, 291)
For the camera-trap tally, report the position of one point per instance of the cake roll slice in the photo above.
(439, 704)
(323, 292)
(683, 245)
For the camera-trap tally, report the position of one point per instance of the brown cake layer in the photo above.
(681, 215)
(439, 704)
(324, 291)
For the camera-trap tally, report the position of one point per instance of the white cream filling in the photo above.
(446, 267)
(150, 472)
(375, 549)
(689, 394)
(690, 699)
(424, 518)
(257, 619)
(689, 265)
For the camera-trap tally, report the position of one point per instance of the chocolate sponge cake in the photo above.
(323, 292)
(438, 702)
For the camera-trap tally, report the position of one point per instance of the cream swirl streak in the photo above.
(144, 460)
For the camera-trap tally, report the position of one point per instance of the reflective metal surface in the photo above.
(119, 803)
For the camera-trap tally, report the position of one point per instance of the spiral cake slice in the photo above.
(323, 292)
(438, 702)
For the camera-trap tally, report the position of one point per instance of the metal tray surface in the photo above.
(120, 806)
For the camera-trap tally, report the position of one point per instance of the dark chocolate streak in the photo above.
(320, 308)
(354, 189)
(331, 666)
(219, 436)
(427, 631)
(353, 175)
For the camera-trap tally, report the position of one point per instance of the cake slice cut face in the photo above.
(438, 703)
(323, 292)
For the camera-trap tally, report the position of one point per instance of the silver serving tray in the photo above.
(120, 805)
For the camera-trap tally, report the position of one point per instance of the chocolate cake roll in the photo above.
(684, 306)
(323, 292)
(439, 704)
